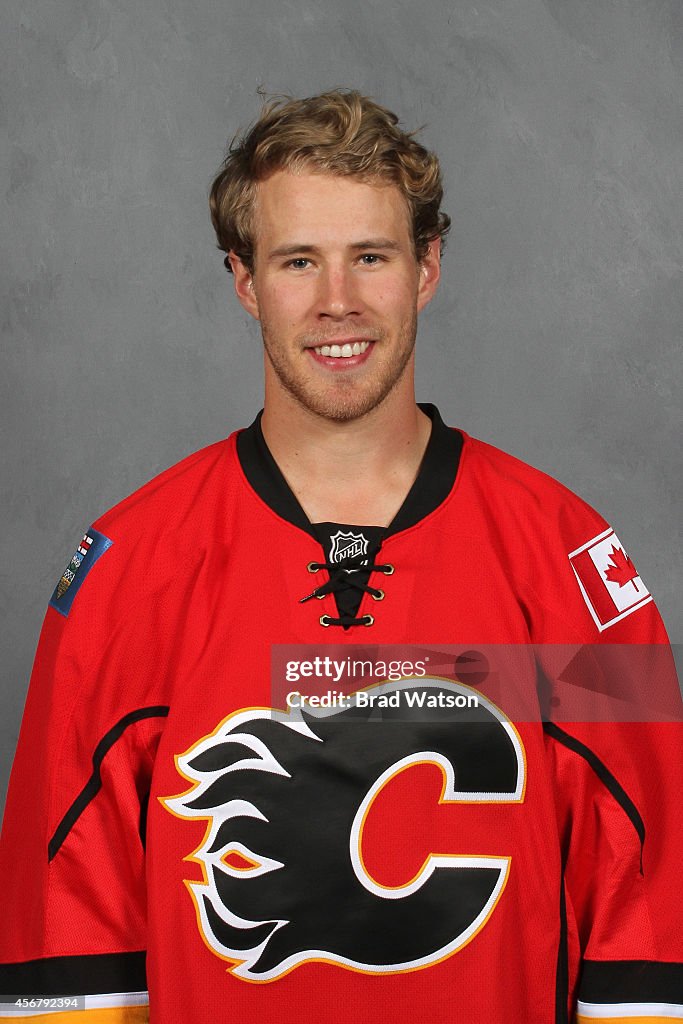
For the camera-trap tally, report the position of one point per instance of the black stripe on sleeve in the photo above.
(75, 975)
(94, 783)
(625, 981)
(604, 774)
(562, 970)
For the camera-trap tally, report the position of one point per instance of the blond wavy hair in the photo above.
(339, 132)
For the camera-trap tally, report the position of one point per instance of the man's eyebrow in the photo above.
(379, 243)
(290, 250)
(386, 244)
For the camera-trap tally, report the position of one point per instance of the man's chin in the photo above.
(340, 408)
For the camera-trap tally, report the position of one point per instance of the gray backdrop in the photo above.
(556, 331)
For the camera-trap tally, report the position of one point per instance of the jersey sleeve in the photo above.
(614, 743)
(72, 930)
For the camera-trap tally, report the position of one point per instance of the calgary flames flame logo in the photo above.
(286, 796)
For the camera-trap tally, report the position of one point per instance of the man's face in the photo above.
(337, 289)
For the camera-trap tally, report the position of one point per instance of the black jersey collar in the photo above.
(432, 485)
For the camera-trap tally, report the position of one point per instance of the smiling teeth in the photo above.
(342, 351)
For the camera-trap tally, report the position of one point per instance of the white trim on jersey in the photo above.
(101, 1001)
(109, 999)
(607, 1011)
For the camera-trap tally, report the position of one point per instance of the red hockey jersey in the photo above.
(273, 771)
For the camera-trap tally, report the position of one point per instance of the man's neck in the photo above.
(357, 472)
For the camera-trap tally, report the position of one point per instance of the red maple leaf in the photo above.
(620, 569)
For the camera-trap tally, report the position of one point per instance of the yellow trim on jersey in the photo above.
(110, 1015)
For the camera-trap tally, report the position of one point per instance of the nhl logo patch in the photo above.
(608, 579)
(347, 545)
(84, 557)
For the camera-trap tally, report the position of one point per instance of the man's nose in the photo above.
(338, 294)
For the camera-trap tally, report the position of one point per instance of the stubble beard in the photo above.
(344, 399)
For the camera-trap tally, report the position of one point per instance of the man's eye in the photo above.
(299, 263)
(370, 259)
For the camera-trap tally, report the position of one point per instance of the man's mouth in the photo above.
(345, 351)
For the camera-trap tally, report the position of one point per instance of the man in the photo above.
(284, 754)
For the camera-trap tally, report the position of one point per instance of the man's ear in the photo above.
(430, 273)
(244, 284)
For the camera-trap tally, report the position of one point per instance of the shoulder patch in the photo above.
(84, 557)
(608, 579)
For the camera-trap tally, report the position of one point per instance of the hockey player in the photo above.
(467, 815)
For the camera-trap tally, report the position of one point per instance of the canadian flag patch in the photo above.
(608, 579)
